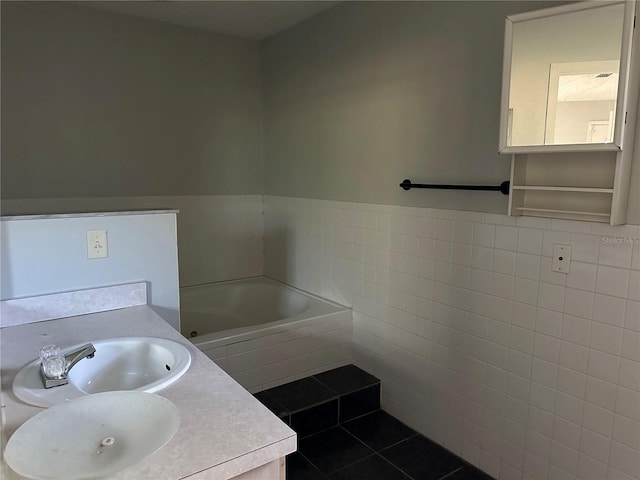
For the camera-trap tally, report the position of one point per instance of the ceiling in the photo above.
(249, 19)
(588, 87)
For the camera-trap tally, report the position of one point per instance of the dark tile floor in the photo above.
(375, 446)
(344, 435)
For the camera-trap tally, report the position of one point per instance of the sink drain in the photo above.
(194, 333)
(107, 442)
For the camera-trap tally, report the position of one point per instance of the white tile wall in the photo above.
(527, 373)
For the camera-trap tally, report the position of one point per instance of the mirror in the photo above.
(564, 77)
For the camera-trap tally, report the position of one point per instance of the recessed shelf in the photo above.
(583, 147)
(568, 212)
(573, 186)
(563, 189)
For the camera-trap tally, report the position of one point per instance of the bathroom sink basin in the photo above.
(146, 364)
(93, 436)
(142, 363)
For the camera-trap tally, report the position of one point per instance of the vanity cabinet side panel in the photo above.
(274, 470)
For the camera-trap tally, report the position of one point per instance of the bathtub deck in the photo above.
(344, 435)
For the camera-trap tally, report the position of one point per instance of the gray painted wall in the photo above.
(41, 256)
(356, 99)
(369, 93)
(100, 104)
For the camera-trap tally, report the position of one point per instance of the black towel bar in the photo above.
(502, 188)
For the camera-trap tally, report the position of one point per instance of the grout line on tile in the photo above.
(313, 405)
(351, 464)
(360, 416)
(400, 441)
(350, 391)
(451, 473)
(312, 464)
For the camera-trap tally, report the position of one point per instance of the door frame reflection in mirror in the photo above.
(558, 70)
(623, 82)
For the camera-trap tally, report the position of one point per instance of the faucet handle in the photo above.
(54, 367)
(49, 351)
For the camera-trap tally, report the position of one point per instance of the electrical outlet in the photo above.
(561, 261)
(97, 244)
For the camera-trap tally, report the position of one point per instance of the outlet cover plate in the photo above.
(561, 261)
(97, 244)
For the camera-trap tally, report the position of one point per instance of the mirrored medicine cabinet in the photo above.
(569, 95)
(565, 77)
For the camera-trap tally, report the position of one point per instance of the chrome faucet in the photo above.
(70, 359)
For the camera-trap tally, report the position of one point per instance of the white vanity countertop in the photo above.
(223, 428)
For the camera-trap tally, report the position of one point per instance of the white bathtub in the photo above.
(265, 333)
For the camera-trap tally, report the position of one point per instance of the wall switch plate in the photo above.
(561, 258)
(97, 244)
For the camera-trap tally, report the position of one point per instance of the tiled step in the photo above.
(324, 400)
(344, 435)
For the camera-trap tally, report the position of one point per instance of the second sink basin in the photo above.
(92, 437)
(145, 364)
(136, 363)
